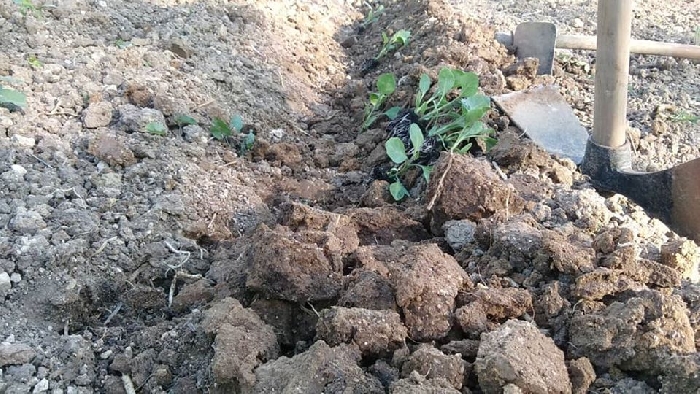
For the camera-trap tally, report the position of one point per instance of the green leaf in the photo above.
(446, 81)
(236, 123)
(247, 143)
(398, 191)
(156, 128)
(374, 99)
(401, 37)
(416, 137)
(385, 38)
(220, 129)
(465, 148)
(392, 112)
(424, 84)
(386, 84)
(396, 150)
(468, 82)
(426, 171)
(477, 101)
(184, 120)
(13, 97)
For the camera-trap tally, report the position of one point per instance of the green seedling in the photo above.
(156, 128)
(451, 114)
(12, 98)
(35, 62)
(393, 43)
(27, 6)
(121, 44)
(685, 117)
(372, 15)
(184, 120)
(386, 85)
(224, 131)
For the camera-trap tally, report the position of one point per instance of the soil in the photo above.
(179, 263)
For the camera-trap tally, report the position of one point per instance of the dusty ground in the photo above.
(133, 262)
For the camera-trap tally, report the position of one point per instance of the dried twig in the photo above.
(441, 181)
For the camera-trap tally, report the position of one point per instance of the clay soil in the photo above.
(132, 262)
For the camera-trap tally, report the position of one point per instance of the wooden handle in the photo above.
(642, 47)
(612, 71)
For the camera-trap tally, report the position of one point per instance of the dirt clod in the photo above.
(470, 189)
(243, 342)
(374, 332)
(433, 364)
(319, 369)
(517, 353)
(484, 309)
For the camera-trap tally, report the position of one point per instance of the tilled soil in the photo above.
(136, 262)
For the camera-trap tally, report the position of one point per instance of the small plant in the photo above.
(184, 120)
(223, 131)
(393, 43)
(449, 119)
(12, 98)
(683, 116)
(156, 128)
(386, 85)
(28, 6)
(35, 62)
(121, 44)
(372, 15)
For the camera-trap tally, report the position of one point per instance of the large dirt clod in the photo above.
(433, 364)
(467, 188)
(425, 280)
(297, 267)
(484, 309)
(376, 333)
(320, 369)
(243, 342)
(635, 334)
(518, 354)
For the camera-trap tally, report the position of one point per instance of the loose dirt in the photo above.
(136, 262)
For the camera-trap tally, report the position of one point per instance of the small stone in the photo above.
(578, 22)
(181, 48)
(5, 283)
(459, 233)
(15, 354)
(98, 115)
(41, 387)
(23, 141)
(15, 278)
(27, 221)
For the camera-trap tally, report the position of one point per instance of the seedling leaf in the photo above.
(468, 82)
(426, 171)
(184, 120)
(424, 84)
(392, 112)
(446, 81)
(386, 84)
(401, 37)
(236, 123)
(220, 129)
(398, 191)
(416, 137)
(156, 128)
(396, 150)
(12, 97)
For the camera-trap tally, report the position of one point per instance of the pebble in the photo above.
(5, 283)
(98, 115)
(578, 22)
(41, 387)
(15, 278)
(23, 141)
